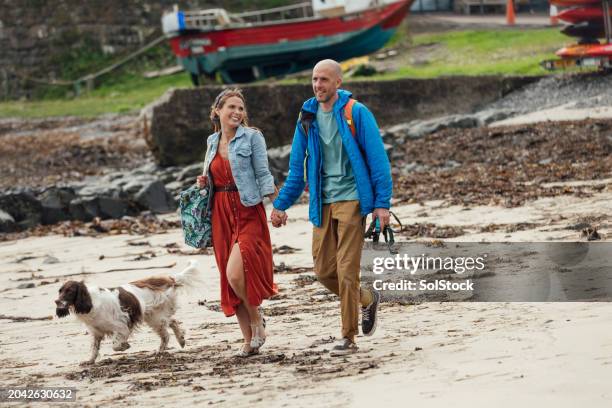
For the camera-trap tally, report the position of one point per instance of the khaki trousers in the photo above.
(336, 252)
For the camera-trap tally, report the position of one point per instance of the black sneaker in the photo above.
(369, 315)
(343, 347)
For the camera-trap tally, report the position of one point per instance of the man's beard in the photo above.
(324, 99)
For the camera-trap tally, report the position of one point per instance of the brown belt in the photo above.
(231, 187)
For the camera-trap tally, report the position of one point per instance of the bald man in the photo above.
(349, 177)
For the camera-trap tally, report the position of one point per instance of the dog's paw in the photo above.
(121, 346)
(181, 341)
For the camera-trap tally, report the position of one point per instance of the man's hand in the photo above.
(278, 218)
(383, 217)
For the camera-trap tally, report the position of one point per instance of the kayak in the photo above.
(571, 3)
(582, 51)
(586, 29)
(580, 14)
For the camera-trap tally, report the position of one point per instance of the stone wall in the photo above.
(37, 36)
(179, 123)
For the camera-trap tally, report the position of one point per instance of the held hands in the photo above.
(383, 217)
(278, 218)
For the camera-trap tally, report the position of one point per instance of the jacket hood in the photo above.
(312, 105)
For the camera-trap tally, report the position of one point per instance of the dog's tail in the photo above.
(189, 278)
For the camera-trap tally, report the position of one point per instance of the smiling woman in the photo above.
(236, 165)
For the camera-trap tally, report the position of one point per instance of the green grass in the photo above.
(129, 95)
(481, 52)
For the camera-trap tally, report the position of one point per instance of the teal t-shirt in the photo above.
(338, 181)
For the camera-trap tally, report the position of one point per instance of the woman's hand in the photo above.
(273, 196)
(202, 181)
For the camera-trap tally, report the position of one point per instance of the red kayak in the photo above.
(582, 51)
(586, 29)
(580, 14)
(572, 3)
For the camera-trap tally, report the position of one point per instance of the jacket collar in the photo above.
(312, 105)
(240, 131)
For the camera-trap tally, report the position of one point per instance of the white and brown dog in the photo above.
(118, 311)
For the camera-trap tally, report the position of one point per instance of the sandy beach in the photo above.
(431, 354)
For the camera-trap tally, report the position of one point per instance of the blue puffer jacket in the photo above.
(366, 155)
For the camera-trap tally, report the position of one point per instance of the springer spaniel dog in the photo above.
(118, 311)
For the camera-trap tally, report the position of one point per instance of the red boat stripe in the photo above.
(292, 31)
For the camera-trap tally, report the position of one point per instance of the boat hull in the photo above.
(248, 54)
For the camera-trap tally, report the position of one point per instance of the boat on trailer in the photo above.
(245, 47)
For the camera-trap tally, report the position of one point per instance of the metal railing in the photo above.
(211, 18)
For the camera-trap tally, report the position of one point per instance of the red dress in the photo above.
(233, 222)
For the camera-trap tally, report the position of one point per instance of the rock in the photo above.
(87, 208)
(400, 131)
(100, 189)
(7, 222)
(56, 204)
(24, 208)
(413, 167)
(488, 116)
(450, 165)
(132, 185)
(190, 172)
(112, 207)
(176, 187)
(154, 196)
(50, 260)
(419, 128)
(278, 160)
(148, 168)
(545, 161)
(389, 150)
(26, 285)
(178, 131)
(396, 155)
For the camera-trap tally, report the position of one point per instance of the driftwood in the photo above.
(24, 318)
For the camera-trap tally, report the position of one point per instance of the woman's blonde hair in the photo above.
(220, 101)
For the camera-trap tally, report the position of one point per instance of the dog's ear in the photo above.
(82, 304)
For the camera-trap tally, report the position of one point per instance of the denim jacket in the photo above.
(248, 158)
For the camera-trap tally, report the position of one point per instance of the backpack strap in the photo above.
(348, 115)
(305, 119)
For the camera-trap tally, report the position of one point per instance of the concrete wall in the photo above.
(180, 124)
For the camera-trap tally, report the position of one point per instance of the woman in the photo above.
(236, 165)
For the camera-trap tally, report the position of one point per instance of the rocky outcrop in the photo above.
(179, 126)
(23, 208)
(115, 195)
(418, 128)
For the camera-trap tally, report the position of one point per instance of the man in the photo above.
(349, 176)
